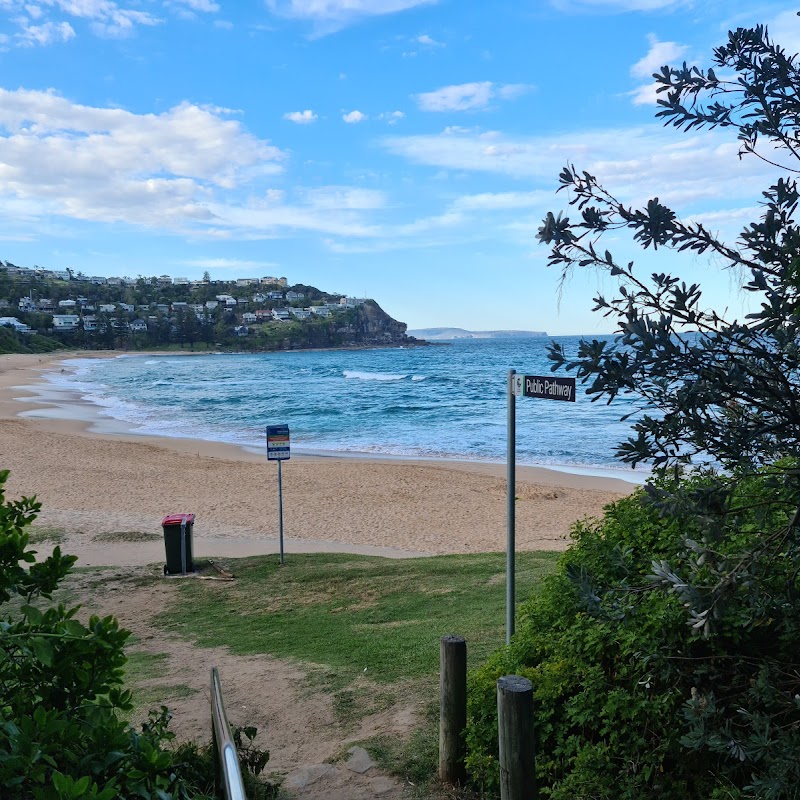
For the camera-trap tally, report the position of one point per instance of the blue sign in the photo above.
(277, 442)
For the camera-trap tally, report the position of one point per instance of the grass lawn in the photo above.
(358, 615)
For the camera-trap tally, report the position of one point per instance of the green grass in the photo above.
(141, 668)
(380, 618)
(126, 536)
(40, 534)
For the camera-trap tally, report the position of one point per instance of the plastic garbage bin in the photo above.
(178, 543)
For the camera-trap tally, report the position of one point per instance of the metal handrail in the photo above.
(229, 774)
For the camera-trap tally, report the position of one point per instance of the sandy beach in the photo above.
(94, 479)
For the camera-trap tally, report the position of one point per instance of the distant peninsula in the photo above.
(446, 334)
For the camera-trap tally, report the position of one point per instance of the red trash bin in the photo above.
(178, 543)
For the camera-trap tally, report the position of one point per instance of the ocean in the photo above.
(443, 401)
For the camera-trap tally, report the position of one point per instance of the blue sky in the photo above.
(405, 150)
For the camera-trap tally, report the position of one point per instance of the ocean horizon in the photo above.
(446, 401)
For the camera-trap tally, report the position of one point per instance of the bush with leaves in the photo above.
(665, 651)
(62, 702)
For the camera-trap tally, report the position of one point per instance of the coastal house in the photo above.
(46, 305)
(13, 322)
(246, 281)
(90, 323)
(292, 297)
(241, 330)
(300, 313)
(138, 326)
(114, 281)
(181, 282)
(98, 280)
(248, 318)
(65, 322)
(67, 303)
(274, 295)
(126, 307)
(61, 274)
(211, 304)
(320, 311)
(259, 298)
(107, 308)
(164, 280)
(179, 306)
(280, 314)
(263, 314)
(27, 304)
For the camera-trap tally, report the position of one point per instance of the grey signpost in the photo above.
(278, 450)
(544, 388)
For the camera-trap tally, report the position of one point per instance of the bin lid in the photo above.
(177, 519)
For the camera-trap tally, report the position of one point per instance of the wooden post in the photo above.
(452, 708)
(516, 738)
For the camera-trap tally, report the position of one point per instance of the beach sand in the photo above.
(94, 478)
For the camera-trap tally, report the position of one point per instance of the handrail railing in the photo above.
(228, 773)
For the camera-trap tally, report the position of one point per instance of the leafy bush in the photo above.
(62, 703)
(636, 698)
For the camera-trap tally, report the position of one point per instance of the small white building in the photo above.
(280, 314)
(320, 311)
(294, 296)
(67, 303)
(98, 280)
(181, 281)
(300, 313)
(65, 322)
(249, 318)
(107, 308)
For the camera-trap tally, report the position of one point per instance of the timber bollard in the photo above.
(516, 738)
(452, 708)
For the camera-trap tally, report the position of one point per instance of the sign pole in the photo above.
(278, 448)
(280, 510)
(511, 480)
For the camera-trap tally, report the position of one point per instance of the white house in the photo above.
(248, 318)
(67, 303)
(275, 295)
(90, 323)
(292, 296)
(98, 280)
(280, 314)
(126, 307)
(164, 280)
(114, 281)
(300, 313)
(181, 281)
(211, 304)
(320, 311)
(107, 308)
(65, 322)
(61, 274)
(13, 322)
(138, 326)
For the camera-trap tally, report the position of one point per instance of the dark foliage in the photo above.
(665, 651)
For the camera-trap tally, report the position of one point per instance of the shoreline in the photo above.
(95, 477)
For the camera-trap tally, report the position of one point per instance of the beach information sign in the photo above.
(278, 450)
(277, 442)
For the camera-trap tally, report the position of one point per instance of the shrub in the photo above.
(630, 700)
(63, 732)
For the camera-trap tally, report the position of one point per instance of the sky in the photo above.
(404, 150)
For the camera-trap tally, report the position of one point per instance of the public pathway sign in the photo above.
(278, 450)
(545, 387)
(277, 442)
(542, 387)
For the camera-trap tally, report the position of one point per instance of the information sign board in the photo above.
(545, 387)
(277, 442)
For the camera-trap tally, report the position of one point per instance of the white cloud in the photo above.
(344, 198)
(634, 163)
(107, 164)
(205, 6)
(42, 23)
(428, 41)
(468, 96)
(502, 201)
(353, 117)
(44, 34)
(329, 16)
(391, 117)
(618, 5)
(659, 54)
(301, 117)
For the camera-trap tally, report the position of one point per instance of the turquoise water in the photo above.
(444, 401)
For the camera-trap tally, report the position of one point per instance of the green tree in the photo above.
(673, 624)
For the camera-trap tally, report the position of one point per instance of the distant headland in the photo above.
(443, 334)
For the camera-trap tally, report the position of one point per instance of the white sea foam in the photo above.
(373, 376)
(419, 377)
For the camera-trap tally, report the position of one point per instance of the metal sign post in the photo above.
(511, 513)
(543, 388)
(278, 450)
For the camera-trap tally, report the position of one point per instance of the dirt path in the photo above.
(308, 746)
